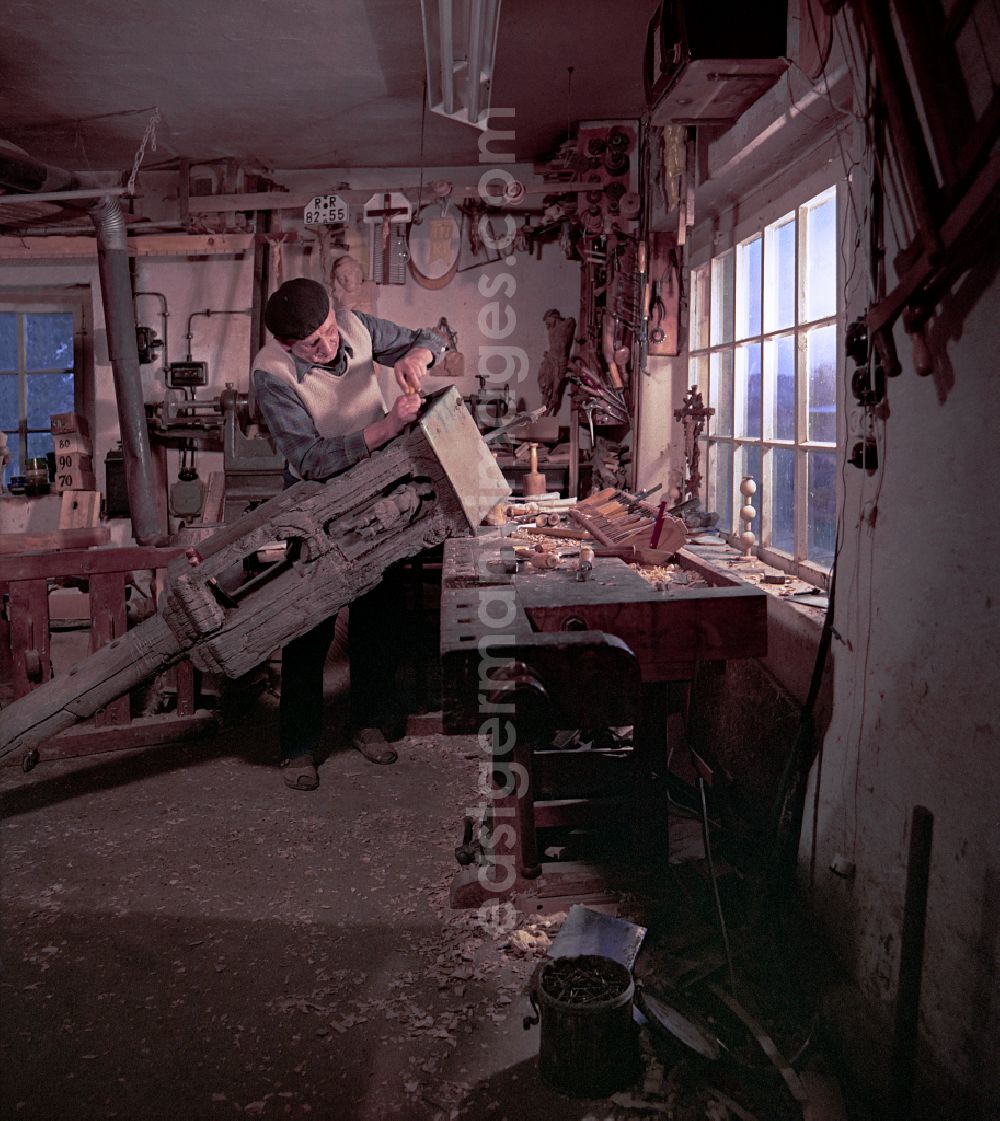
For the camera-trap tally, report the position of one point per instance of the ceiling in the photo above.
(295, 84)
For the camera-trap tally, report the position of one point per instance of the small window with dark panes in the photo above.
(38, 377)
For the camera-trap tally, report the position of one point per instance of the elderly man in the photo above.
(318, 391)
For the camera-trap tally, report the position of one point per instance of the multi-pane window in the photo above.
(38, 375)
(763, 352)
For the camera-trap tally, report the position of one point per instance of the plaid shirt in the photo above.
(317, 457)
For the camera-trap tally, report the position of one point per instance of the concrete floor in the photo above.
(186, 938)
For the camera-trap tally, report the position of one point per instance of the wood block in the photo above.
(74, 479)
(80, 509)
(215, 495)
(544, 428)
(68, 422)
(71, 443)
(73, 462)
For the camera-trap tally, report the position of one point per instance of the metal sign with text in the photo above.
(326, 210)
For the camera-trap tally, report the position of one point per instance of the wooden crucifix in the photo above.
(693, 414)
(389, 211)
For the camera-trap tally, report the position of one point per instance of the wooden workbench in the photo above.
(527, 652)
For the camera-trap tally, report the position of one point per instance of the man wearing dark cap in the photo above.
(318, 391)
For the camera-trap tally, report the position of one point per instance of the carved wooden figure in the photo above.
(348, 288)
(692, 416)
(435, 481)
(552, 370)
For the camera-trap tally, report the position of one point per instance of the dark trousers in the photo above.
(374, 634)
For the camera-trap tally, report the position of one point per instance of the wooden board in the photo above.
(79, 509)
(58, 539)
(215, 495)
(55, 247)
(79, 561)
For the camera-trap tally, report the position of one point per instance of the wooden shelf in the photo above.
(63, 247)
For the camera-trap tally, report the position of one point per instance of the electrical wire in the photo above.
(883, 456)
(866, 119)
(715, 886)
(75, 122)
(847, 165)
(877, 180)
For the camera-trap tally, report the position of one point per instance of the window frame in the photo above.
(714, 242)
(73, 299)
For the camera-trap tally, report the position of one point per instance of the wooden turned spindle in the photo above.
(748, 488)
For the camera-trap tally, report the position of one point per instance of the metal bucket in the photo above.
(588, 1046)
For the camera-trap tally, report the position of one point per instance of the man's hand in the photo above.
(403, 412)
(412, 368)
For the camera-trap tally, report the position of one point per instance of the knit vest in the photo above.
(337, 405)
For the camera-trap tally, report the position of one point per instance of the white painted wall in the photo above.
(524, 290)
(524, 287)
(916, 655)
(916, 717)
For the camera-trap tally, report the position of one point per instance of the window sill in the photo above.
(793, 628)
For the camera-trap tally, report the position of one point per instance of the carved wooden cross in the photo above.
(394, 209)
(693, 416)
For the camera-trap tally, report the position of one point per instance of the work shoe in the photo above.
(374, 746)
(300, 772)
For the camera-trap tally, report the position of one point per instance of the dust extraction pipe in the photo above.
(20, 173)
(123, 351)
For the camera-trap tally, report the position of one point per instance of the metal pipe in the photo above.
(474, 70)
(208, 313)
(432, 36)
(447, 58)
(19, 172)
(64, 196)
(116, 291)
(164, 316)
(82, 231)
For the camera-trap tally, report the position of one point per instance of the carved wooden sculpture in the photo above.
(349, 289)
(433, 482)
(552, 370)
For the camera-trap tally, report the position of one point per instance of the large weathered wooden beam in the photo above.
(227, 612)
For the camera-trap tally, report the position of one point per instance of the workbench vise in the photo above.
(228, 611)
